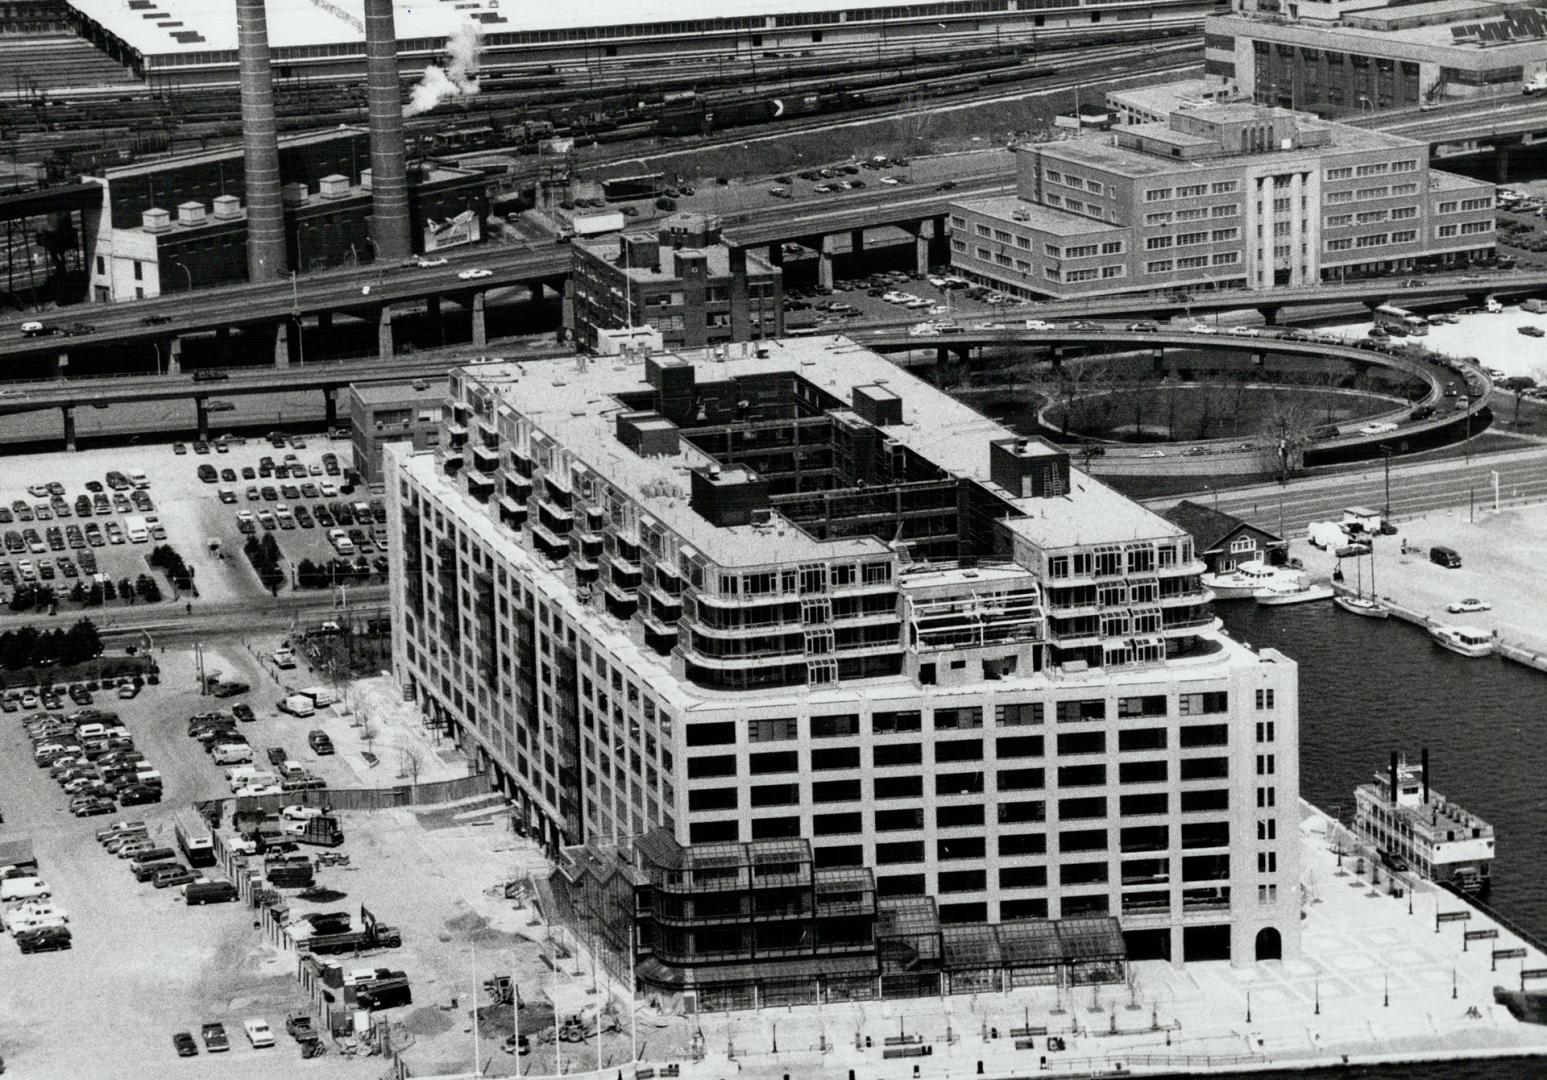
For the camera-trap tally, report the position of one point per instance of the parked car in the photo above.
(184, 1044)
(258, 1033)
(215, 1038)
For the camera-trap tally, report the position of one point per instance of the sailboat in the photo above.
(1359, 604)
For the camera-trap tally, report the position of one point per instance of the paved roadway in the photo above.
(1462, 121)
(1416, 489)
(168, 621)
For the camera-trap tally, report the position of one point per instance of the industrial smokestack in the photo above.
(1424, 764)
(1393, 778)
(389, 173)
(266, 257)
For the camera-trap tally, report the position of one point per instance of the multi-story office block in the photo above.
(380, 413)
(1219, 196)
(795, 593)
(681, 281)
(1350, 56)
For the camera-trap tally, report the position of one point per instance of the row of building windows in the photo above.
(703, 800)
(1191, 239)
(1008, 714)
(1192, 262)
(1191, 191)
(1200, 213)
(1381, 168)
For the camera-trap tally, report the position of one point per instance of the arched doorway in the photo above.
(1269, 945)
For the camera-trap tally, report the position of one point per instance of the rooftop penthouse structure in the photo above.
(788, 592)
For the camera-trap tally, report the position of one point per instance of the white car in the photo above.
(1038, 324)
(937, 282)
(1461, 607)
(474, 275)
(890, 180)
(1244, 331)
(1153, 454)
(298, 812)
(326, 489)
(425, 264)
(258, 1033)
(33, 915)
(1202, 328)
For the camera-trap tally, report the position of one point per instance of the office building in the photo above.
(794, 594)
(1351, 56)
(399, 412)
(1219, 196)
(681, 280)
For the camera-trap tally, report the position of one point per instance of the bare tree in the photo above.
(411, 766)
(1292, 420)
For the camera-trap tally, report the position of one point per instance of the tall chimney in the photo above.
(1425, 766)
(1393, 778)
(266, 255)
(389, 171)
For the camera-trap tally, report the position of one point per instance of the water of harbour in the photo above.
(1368, 687)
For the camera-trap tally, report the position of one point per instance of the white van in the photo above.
(231, 753)
(321, 696)
(137, 478)
(297, 705)
(23, 888)
(90, 731)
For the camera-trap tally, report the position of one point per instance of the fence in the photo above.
(387, 798)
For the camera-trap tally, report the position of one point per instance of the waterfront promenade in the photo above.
(1380, 979)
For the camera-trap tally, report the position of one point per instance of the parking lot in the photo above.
(184, 511)
(146, 964)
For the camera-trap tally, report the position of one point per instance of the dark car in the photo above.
(184, 1044)
(208, 474)
(173, 874)
(230, 689)
(244, 713)
(215, 1038)
(139, 795)
(42, 939)
(321, 745)
(155, 320)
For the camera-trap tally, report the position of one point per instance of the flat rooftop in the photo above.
(168, 27)
(1184, 95)
(228, 153)
(1100, 151)
(574, 403)
(717, 258)
(1046, 219)
(1447, 23)
(399, 393)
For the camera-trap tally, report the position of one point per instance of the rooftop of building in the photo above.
(1462, 24)
(1167, 97)
(232, 152)
(717, 259)
(1206, 525)
(574, 403)
(165, 27)
(1045, 219)
(1101, 150)
(655, 671)
(400, 393)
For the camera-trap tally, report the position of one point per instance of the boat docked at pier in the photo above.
(1243, 582)
(1414, 827)
(1300, 592)
(1463, 640)
(1366, 606)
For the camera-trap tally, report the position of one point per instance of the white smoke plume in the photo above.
(457, 79)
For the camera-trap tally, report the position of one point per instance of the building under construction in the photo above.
(743, 926)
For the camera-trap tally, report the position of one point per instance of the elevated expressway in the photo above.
(1219, 456)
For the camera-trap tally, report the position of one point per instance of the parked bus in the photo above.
(1388, 315)
(194, 838)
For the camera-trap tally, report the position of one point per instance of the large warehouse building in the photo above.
(788, 606)
(193, 42)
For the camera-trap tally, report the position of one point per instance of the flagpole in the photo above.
(515, 1010)
(553, 989)
(633, 1013)
(477, 1050)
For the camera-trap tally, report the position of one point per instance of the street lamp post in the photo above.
(184, 267)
